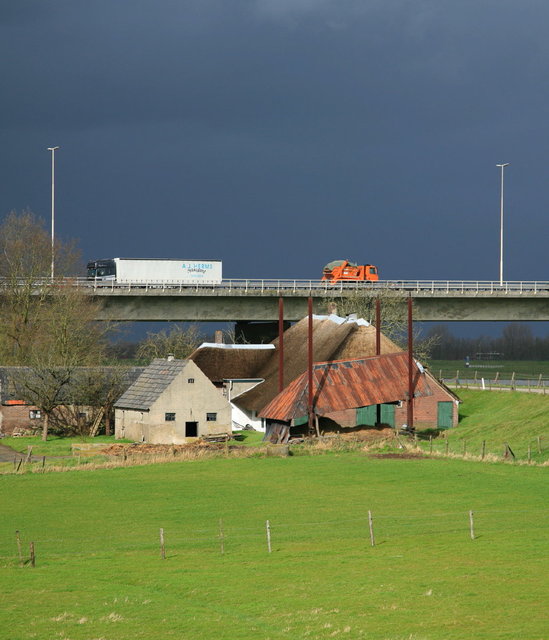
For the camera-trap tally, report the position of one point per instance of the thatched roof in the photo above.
(362, 343)
(238, 362)
(327, 337)
(334, 338)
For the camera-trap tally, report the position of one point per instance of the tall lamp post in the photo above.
(502, 167)
(53, 150)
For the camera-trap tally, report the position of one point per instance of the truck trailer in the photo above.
(155, 271)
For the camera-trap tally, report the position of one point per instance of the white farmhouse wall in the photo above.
(191, 402)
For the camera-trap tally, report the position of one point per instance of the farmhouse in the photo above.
(172, 402)
(361, 392)
(333, 338)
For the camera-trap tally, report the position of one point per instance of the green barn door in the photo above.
(445, 412)
(366, 415)
(388, 414)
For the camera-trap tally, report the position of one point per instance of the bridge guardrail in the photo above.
(465, 287)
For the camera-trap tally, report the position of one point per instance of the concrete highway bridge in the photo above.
(257, 300)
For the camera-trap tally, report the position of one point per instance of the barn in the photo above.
(361, 392)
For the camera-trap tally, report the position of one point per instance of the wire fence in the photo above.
(532, 451)
(495, 381)
(270, 536)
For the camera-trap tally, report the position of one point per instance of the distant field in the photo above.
(99, 574)
(488, 368)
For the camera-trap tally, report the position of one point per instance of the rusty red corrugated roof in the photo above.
(346, 384)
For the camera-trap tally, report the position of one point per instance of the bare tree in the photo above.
(47, 327)
(179, 341)
(67, 337)
(88, 401)
(25, 260)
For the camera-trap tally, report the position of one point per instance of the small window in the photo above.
(211, 417)
(169, 417)
(190, 381)
(35, 414)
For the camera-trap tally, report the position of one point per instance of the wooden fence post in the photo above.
(539, 444)
(222, 536)
(18, 539)
(529, 452)
(162, 545)
(483, 450)
(32, 556)
(371, 525)
(447, 444)
(430, 444)
(268, 526)
(471, 525)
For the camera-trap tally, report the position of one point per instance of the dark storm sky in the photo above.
(277, 135)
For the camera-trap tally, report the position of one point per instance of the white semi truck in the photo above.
(152, 271)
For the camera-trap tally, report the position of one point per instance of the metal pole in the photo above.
(378, 327)
(280, 344)
(52, 149)
(502, 166)
(410, 367)
(310, 366)
(378, 349)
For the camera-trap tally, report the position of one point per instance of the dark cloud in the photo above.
(280, 134)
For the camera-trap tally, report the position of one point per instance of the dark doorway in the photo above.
(191, 429)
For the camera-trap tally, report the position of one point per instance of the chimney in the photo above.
(170, 357)
(218, 339)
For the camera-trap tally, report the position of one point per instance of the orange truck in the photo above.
(345, 271)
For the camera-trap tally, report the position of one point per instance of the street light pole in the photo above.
(502, 167)
(53, 150)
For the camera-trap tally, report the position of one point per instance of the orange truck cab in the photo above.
(345, 271)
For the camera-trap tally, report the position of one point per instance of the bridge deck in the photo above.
(234, 300)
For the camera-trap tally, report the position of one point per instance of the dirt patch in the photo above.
(139, 449)
(363, 434)
(401, 456)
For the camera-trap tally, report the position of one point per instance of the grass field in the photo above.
(99, 575)
(499, 417)
(54, 446)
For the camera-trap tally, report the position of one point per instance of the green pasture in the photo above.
(518, 419)
(55, 445)
(99, 574)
